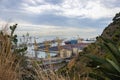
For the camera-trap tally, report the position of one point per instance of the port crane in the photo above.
(79, 39)
(59, 43)
(35, 48)
(47, 46)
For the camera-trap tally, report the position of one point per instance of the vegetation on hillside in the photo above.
(79, 65)
(107, 67)
(12, 58)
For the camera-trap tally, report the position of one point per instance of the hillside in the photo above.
(78, 64)
(112, 32)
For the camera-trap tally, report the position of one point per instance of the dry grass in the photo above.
(7, 69)
(11, 70)
(46, 74)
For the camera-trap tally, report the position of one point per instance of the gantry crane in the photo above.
(35, 48)
(47, 46)
(80, 39)
(59, 43)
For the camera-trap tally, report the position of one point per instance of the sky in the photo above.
(86, 18)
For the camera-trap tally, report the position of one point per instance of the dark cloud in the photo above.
(54, 1)
(53, 20)
(111, 3)
(13, 10)
(10, 4)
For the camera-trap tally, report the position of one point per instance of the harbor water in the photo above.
(31, 40)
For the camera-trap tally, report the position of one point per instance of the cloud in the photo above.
(45, 30)
(59, 17)
(75, 8)
(92, 9)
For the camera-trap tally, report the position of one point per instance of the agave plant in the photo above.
(108, 67)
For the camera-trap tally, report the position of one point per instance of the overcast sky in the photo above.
(86, 18)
